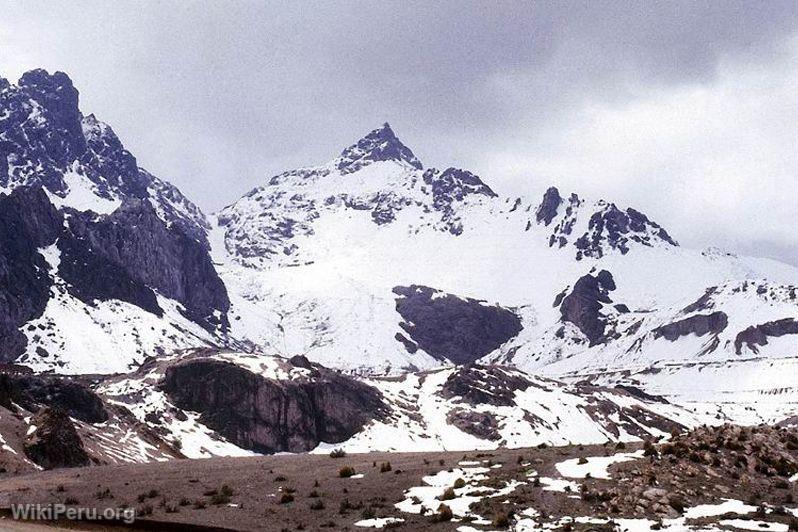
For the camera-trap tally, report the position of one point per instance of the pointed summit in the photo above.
(379, 145)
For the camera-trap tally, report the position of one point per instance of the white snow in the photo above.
(596, 466)
(379, 522)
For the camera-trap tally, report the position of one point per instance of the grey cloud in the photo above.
(217, 96)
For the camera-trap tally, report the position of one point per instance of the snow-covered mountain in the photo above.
(101, 263)
(373, 264)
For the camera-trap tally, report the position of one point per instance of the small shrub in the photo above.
(71, 501)
(144, 510)
(199, 505)
(346, 472)
(447, 495)
(184, 502)
(317, 505)
(104, 494)
(220, 498)
(385, 467)
(337, 453)
(280, 478)
(60, 488)
(501, 520)
(285, 498)
(444, 513)
(582, 460)
(459, 483)
(313, 494)
(676, 503)
(368, 513)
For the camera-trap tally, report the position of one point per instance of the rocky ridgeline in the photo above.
(753, 464)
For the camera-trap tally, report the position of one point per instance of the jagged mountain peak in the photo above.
(380, 144)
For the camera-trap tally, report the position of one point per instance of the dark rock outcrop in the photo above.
(55, 443)
(583, 305)
(614, 228)
(700, 324)
(475, 384)
(547, 209)
(44, 137)
(448, 327)
(759, 334)
(379, 145)
(480, 424)
(272, 415)
(33, 392)
(130, 252)
(28, 221)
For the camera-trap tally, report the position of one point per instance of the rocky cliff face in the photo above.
(268, 415)
(33, 392)
(583, 305)
(699, 324)
(46, 141)
(136, 249)
(28, 221)
(452, 328)
(54, 442)
(757, 335)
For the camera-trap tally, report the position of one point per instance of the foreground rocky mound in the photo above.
(753, 464)
(50, 422)
(271, 415)
(54, 442)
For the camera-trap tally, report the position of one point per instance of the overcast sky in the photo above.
(687, 111)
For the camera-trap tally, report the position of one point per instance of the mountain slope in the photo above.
(319, 262)
(101, 262)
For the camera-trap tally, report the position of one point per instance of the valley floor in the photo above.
(677, 486)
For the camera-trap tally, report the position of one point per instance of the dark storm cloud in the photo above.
(216, 96)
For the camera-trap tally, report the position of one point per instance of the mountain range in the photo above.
(441, 312)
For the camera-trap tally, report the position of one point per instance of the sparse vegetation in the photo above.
(447, 495)
(501, 520)
(318, 504)
(337, 453)
(346, 472)
(444, 514)
(385, 467)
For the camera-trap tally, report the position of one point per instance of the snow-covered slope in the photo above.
(474, 407)
(108, 262)
(319, 262)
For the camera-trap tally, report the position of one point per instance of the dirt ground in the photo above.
(306, 492)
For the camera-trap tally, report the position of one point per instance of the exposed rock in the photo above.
(759, 334)
(699, 324)
(33, 392)
(132, 251)
(379, 145)
(702, 303)
(613, 228)
(55, 442)
(453, 328)
(547, 209)
(480, 424)
(272, 415)
(45, 139)
(484, 385)
(28, 221)
(583, 305)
